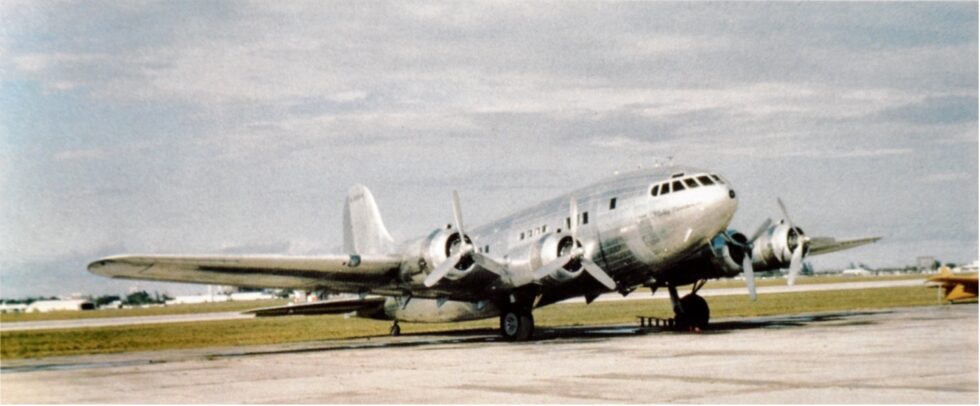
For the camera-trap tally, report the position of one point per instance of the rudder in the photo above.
(364, 232)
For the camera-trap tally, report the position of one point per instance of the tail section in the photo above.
(364, 232)
(944, 271)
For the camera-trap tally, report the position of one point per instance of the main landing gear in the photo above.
(395, 330)
(691, 312)
(516, 323)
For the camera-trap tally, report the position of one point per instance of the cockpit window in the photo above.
(717, 179)
(706, 180)
(691, 183)
(664, 188)
(655, 191)
(677, 186)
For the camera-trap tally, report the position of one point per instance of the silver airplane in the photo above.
(661, 227)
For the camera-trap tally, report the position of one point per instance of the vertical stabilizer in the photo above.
(364, 232)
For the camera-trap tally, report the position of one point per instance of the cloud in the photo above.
(946, 177)
(238, 126)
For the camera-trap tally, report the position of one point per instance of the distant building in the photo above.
(13, 307)
(927, 263)
(44, 306)
(209, 298)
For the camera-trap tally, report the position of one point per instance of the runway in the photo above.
(910, 355)
(180, 318)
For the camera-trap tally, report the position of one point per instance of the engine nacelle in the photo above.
(442, 244)
(528, 258)
(721, 258)
(726, 256)
(774, 248)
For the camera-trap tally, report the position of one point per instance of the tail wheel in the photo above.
(696, 312)
(516, 325)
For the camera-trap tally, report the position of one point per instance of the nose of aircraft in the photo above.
(722, 203)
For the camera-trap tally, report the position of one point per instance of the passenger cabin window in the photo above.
(522, 235)
(691, 183)
(706, 180)
(655, 191)
(612, 204)
(677, 186)
(585, 217)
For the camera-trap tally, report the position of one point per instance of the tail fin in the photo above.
(364, 232)
(944, 271)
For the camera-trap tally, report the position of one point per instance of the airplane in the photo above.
(954, 287)
(655, 227)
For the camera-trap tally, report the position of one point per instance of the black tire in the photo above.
(516, 325)
(696, 312)
(395, 330)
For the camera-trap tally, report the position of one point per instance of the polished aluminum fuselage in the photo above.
(638, 239)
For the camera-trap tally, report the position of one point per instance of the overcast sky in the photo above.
(210, 127)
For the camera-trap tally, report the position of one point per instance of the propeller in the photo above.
(575, 253)
(796, 261)
(464, 250)
(747, 257)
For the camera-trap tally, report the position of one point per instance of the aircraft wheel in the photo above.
(696, 312)
(516, 325)
(396, 330)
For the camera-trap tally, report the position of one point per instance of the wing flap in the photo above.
(340, 272)
(339, 306)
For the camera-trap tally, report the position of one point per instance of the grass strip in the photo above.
(98, 340)
(241, 306)
(145, 311)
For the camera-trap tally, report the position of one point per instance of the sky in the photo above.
(237, 127)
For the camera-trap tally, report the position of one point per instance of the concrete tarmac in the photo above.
(909, 355)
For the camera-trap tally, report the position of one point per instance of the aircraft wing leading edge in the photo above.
(826, 245)
(342, 273)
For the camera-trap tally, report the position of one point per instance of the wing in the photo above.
(824, 245)
(340, 273)
(328, 307)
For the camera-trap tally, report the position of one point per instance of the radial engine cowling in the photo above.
(721, 258)
(440, 245)
(729, 251)
(774, 249)
(531, 257)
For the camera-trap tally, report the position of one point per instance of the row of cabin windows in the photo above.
(583, 218)
(686, 183)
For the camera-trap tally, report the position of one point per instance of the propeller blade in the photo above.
(749, 276)
(547, 269)
(796, 262)
(598, 273)
(785, 213)
(458, 215)
(443, 269)
(762, 228)
(573, 218)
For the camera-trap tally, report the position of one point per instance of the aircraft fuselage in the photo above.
(638, 236)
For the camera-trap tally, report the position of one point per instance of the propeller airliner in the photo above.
(663, 227)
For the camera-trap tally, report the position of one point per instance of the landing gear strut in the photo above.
(395, 330)
(516, 323)
(690, 311)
